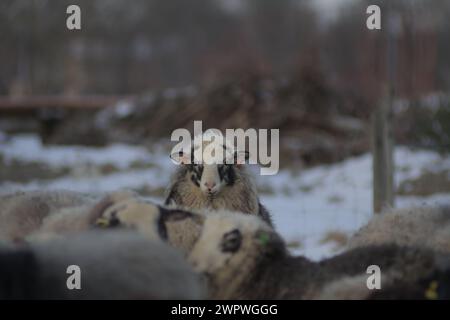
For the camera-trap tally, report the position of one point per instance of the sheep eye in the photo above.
(231, 241)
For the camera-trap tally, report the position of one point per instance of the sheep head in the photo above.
(231, 249)
(132, 213)
(179, 227)
(212, 163)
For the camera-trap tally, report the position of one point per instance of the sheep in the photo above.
(427, 227)
(214, 186)
(245, 259)
(179, 227)
(114, 265)
(40, 214)
(46, 215)
(79, 218)
(24, 212)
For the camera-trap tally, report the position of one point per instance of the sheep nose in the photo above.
(210, 185)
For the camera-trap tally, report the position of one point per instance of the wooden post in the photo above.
(382, 135)
(382, 151)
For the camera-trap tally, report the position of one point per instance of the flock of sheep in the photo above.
(212, 239)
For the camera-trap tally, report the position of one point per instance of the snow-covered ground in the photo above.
(306, 206)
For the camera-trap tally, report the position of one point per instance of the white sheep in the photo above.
(41, 214)
(246, 259)
(422, 226)
(113, 264)
(213, 186)
(24, 212)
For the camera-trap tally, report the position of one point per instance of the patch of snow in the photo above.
(123, 108)
(93, 184)
(29, 148)
(338, 197)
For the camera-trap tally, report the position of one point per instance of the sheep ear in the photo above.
(181, 157)
(240, 157)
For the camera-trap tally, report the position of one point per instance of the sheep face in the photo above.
(229, 249)
(214, 171)
(212, 178)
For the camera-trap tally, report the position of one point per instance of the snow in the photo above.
(95, 182)
(338, 197)
(123, 108)
(305, 205)
(29, 148)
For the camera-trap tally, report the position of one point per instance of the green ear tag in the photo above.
(264, 238)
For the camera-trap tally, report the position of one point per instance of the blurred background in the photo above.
(93, 109)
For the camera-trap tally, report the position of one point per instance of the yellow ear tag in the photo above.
(431, 292)
(102, 222)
